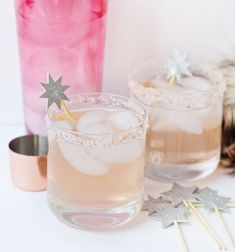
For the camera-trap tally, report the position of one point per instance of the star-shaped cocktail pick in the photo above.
(169, 214)
(186, 195)
(152, 205)
(213, 201)
(164, 211)
(177, 66)
(179, 193)
(55, 93)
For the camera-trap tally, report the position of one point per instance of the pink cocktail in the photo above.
(59, 37)
(96, 161)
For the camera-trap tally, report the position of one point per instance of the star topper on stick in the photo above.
(186, 195)
(177, 66)
(152, 205)
(211, 199)
(168, 214)
(171, 208)
(179, 193)
(217, 203)
(55, 94)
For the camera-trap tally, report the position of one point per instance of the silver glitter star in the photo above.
(152, 205)
(54, 91)
(170, 214)
(179, 193)
(177, 66)
(211, 199)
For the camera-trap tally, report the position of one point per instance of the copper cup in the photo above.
(28, 161)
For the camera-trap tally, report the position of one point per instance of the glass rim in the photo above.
(142, 117)
(193, 68)
(165, 96)
(149, 106)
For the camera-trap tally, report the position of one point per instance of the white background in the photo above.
(137, 30)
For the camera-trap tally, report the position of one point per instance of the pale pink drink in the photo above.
(59, 37)
(96, 161)
(184, 133)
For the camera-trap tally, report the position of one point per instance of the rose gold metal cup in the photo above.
(28, 161)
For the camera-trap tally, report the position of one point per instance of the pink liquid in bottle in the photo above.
(59, 37)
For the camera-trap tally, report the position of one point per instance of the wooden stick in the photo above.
(226, 229)
(228, 205)
(172, 81)
(66, 110)
(203, 222)
(219, 241)
(181, 237)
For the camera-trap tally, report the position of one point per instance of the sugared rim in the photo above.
(150, 96)
(90, 97)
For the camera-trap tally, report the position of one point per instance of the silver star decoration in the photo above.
(177, 66)
(152, 205)
(179, 193)
(211, 199)
(54, 91)
(169, 214)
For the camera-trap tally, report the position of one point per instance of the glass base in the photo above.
(96, 219)
(182, 172)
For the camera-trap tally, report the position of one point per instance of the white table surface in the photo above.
(26, 223)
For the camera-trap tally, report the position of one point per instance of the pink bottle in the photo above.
(59, 37)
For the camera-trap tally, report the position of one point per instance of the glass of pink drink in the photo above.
(60, 37)
(184, 133)
(96, 161)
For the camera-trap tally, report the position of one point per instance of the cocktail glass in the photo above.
(184, 134)
(96, 161)
(59, 37)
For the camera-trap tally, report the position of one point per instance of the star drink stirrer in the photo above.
(171, 208)
(177, 66)
(212, 201)
(150, 204)
(55, 94)
(164, 211)
(186, 195)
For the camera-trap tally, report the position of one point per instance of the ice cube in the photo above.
(80, 159)
(124, 153)
(96, 128)
(123, 119)
(90, 117)
(195, 82)
(93, 122)
(188, 122)
(164, 84)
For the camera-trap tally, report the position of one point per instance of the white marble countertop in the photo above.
(26, 223)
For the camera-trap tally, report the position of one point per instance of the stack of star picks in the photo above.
(174, 207)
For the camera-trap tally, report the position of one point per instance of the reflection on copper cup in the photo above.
(28, 160)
